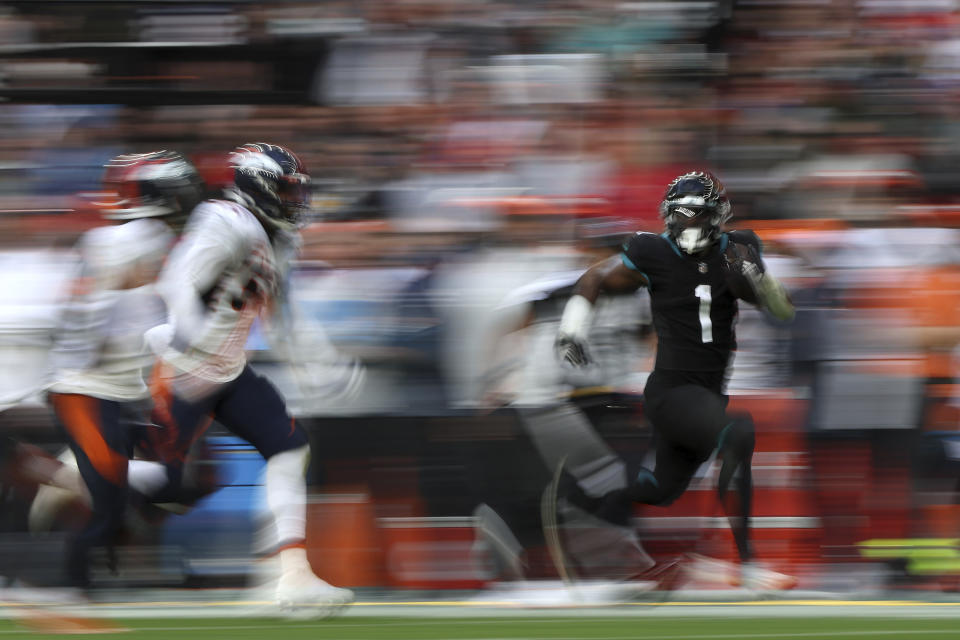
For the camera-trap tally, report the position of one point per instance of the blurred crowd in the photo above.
(809, 109)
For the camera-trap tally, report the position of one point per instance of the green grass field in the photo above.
(520, 628)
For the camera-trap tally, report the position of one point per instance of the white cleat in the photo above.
(712, 571)
(300, 593)
(756, 578)
(749, 576)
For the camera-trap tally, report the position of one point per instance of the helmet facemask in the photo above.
(693, 229)
(294, 194)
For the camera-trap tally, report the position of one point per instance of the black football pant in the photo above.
(690, 419)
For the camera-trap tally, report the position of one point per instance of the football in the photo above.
(740, 287)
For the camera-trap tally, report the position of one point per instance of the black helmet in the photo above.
(694, 208)
(272, 183)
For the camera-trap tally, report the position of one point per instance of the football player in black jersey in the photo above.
(695, 272)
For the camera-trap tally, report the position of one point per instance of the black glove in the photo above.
(739, 256)
(571, 350)
(744, 270)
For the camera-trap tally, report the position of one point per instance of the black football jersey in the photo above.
(693, 308)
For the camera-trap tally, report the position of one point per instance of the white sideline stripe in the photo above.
(473, 604)
(427, 522)
(666, 522)
(163, 607)
(320, 624)
(698, 522)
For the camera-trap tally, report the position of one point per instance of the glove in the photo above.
(749, 281)
(571, 350)
(744, 259)
(744, 270)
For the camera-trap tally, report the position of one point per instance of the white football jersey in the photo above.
(99, 347)
(223, 274)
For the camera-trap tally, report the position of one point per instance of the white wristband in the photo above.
(577, 316)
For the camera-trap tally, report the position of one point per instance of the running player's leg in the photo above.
(254, 410)
(695, 418)
(179, 423)
(735, 446)
(687, 421)
(564, 433)
(505, 477)
(101, 443)
(600, 547)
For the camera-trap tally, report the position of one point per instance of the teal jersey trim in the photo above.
(673, 246)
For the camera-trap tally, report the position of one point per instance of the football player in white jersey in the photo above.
(525, 374)
(98, 393)
(226, 272)
(162, 186)
(99, 357)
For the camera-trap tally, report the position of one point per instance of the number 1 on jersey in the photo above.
(702, 292)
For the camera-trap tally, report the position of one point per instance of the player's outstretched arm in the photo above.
(745, 260)
(610, 275)
(773, 297)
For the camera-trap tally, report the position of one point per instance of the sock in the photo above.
(287, 494)
(293, 559)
